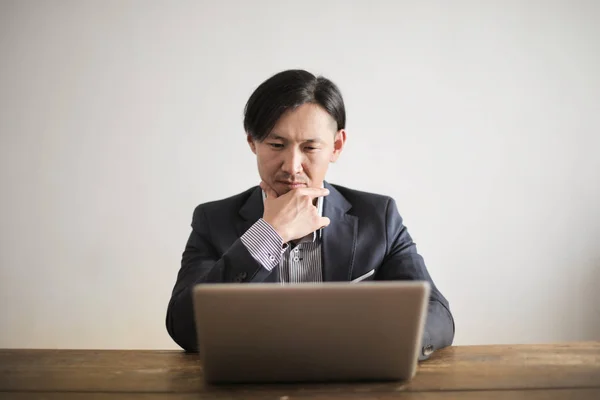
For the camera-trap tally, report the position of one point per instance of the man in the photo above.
(297, 227)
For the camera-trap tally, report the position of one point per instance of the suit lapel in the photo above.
(339, 238)
(250, 212)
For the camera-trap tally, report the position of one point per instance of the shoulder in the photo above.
(224, 206)
(361, 200)
(378, 211)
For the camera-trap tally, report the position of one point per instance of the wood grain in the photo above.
(535, 394)
(461, 368)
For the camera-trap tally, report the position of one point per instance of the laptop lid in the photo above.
(334, 331)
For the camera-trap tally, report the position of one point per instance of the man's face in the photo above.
(299, 149)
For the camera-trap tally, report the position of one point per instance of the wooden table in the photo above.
(560, 371)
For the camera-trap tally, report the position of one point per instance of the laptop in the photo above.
(310, 332)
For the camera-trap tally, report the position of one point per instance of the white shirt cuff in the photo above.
(264, 244)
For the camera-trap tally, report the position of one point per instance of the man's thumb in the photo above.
(268, 190)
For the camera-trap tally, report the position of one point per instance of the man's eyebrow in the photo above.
(274, 136)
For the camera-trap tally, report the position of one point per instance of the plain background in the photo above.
(482, 119)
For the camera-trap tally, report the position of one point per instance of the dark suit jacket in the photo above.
(366, 233)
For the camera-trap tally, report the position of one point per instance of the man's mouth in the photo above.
(292, 185)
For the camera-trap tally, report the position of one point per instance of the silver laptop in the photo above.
(338, 331)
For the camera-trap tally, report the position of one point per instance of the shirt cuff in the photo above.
(264, 244)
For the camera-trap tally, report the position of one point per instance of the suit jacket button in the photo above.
(240, 277)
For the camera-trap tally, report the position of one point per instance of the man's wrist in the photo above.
(264, 244)
(277, 230)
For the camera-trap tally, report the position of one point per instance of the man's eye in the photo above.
(276, 145)
(311, 148)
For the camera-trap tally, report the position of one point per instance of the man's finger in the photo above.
(268, 190)
(313, 192)
(324, 221)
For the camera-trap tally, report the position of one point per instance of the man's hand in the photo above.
(293, 215)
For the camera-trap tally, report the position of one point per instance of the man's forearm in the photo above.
(236, 265)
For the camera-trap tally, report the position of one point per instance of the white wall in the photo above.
(118, 117)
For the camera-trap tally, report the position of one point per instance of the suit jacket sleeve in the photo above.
(402, 262)
(202, 263)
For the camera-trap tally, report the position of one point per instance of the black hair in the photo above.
(288, 90)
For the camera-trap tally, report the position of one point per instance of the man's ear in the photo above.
(338, 144)
(251, 143)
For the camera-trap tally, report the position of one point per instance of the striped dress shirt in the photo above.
(299, 262)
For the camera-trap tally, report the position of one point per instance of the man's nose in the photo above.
(292, 162)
